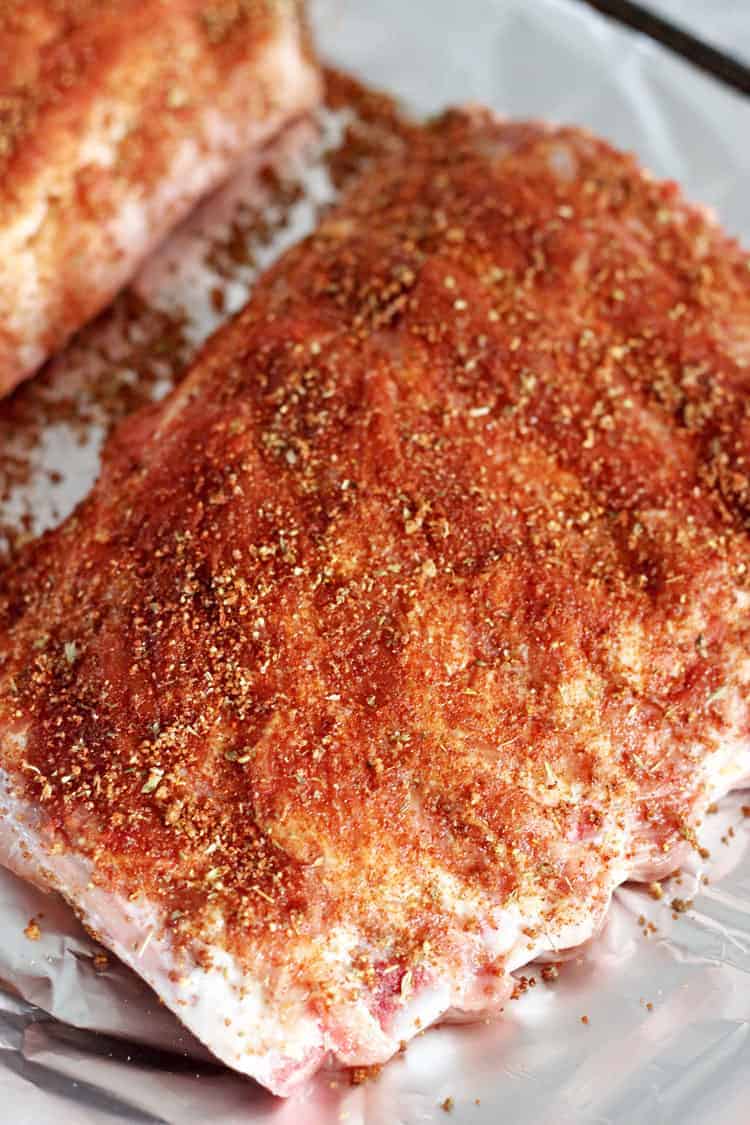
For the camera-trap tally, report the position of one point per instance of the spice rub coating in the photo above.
(416, 618)
(115, 117)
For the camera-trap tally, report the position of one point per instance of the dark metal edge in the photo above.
(721, 65)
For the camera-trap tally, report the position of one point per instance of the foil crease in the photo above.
(665, 992)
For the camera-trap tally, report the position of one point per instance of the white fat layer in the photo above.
(109, 123)
(222, 1005)
(20, 281)
(225, 1005)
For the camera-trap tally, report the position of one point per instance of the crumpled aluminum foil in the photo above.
(666, 993)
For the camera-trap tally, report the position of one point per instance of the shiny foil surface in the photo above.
(649, 1023)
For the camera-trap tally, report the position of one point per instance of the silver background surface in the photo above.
(85, 1048)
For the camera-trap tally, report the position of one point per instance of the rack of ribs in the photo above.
(115, 117)
(415, 620)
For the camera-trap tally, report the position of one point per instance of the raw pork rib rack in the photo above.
(115, 117)
(415, 620)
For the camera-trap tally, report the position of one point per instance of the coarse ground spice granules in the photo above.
(422, 601)
(136, 348)
(110, 369)
(460, 317)
(115, 117)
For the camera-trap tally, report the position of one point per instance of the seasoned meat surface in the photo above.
(415, 620)
(115, 116)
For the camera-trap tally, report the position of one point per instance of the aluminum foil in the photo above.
(665, 992)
